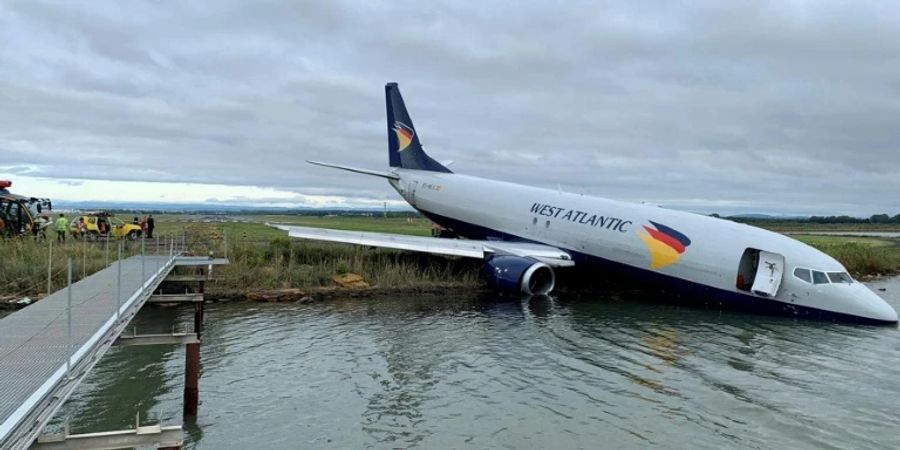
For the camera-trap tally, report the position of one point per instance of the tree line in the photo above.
(875, 218)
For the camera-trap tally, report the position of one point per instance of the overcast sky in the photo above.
(787, 106)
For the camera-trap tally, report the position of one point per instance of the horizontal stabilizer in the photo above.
(549, 255)
(377, 173)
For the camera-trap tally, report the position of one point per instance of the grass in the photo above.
(290, 263)
(827, 241)
(24, 263)
(862, 256)
(796, 226)
(265, 258)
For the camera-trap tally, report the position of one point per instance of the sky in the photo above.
(787, 107)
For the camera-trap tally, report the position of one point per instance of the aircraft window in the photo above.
(803, 274)
(840, 277)
(819, 277)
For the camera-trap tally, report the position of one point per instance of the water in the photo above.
(458, 371)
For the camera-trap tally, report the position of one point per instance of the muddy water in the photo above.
(617, 370)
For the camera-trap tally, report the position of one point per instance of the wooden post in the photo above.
(191, 379)
(192, 366)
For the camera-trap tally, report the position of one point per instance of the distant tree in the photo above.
(880, 218)
(717, 216)
(896, 219)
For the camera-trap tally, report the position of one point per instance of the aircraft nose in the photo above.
(877, 307)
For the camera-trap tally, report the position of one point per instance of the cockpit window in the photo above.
(819, 277)
(840, 277)
(803, 274)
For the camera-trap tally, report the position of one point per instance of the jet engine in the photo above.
(519, 274)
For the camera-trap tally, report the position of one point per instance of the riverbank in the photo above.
(264, 259)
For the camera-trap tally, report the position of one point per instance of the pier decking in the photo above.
(46, 350)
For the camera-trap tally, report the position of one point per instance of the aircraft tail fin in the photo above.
(404, 149)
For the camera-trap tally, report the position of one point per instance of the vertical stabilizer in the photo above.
(404, 148)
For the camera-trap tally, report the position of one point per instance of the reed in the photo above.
(863, 260)
(264, 258)
(24, 261)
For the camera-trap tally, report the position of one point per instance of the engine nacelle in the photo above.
(519, 274)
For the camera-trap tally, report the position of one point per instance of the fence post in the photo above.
(143, 274)
(157, 253)
(83, 254)
(119, 284)
(69, 314)
(225, 240)
(49, 267)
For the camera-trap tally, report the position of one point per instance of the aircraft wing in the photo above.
(547, 254)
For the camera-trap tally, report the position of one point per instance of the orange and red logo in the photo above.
(404, 133)
(665, 244)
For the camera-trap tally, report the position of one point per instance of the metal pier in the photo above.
(48, 348)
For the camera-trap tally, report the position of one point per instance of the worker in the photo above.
(79, 227)
(150, 226)
(62, 227)
(42, 223)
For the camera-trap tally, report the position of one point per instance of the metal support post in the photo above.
(69, 319)
(106, 253)
(119, 284)
(83, 255)
(49, 267)
(225, 240)
(143, 274)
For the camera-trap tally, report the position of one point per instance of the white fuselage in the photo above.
(612, 231)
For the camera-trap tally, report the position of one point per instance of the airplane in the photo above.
(525, 234)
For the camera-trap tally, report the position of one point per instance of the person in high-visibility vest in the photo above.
(62, 227)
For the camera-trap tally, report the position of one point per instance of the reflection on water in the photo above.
(454, 371)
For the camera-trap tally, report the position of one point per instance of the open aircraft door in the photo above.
(768, 274)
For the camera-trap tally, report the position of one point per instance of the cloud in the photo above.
(781, 106)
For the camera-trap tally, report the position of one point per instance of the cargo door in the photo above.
(769, 271)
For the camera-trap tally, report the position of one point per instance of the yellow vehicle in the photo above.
(102, 224)
(20, 215)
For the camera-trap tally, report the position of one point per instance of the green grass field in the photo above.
(862, 256)
(264, 258)
(793, 226)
